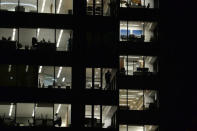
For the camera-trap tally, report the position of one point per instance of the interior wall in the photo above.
(151, 3)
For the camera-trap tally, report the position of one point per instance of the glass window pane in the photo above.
(63, 77)
(64, 40)
(107, 114)
(151, 128)
(88, 115)
(97, 116)
(88, 78)
(151, 100)
(135, 128)
(9, 5)
(124, 32)
(107, 7)
(46, 6)
(46, 77)
(7, 113)
(64, 7)
(135, 99)
(122, 127)
(97, 78)
(123, 65)
(25, 37)
(25, 114)
(62, 115)
(98, 7)
(135, 31)
(44, 114)
(28, 5)
(89, 7)
(123, 99)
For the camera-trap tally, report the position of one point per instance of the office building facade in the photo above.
(70, 64)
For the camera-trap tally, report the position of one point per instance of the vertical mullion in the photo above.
(143, 100)
(55, 39)
(94, 7)
(53, 113)
(127, 30)
(92, 121)
(127, 100)
(34, 113)
(15, 111)
(127, 65)
(37, 10)
(102, 7)
(55, 6)
(54, 76)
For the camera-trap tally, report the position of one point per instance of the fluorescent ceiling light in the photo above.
(13, 34)
(38, 31)
(11, 108)
(58, 109)
(27, 67)
(43, 5)
(134, 57)
(59, 6)
(59, 72)
(63, 79)
(59, 38)
(16, 3)
(9, 68)
(40, 69)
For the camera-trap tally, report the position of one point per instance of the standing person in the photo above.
(57, 120)
(107, 77)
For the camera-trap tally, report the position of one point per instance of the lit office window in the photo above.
(151, 101)
(9, 5)
(28, 6)
(135, 99)
(7, 114)
(97, 78)
(62, 115)
(123, 65)
(97, 116)
(88, 78)
(108, 75)
(139, 3)
(138, 31)
(138, 127)
(46, 77)
(9, 38)
(138, 65)
(99, 7)
(43, 114)
(108, 112)
(25, 38)
(46, 6)
(122, 127)
(88, 116)
(25, 114)
(64, 40)
(8, 75)
(123, 99)
(64, 7)
(63, 77)
(135, 128)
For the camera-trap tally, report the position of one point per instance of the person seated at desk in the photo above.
(57, 120)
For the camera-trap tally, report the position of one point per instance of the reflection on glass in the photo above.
(64, 6)
(46, 6)
(139, 3)
(46, 77)
(43, 114)
(9, 5)
(25, 114)
(97, 116)
(150, 100)
(7, 114)
(28, 5)
(64, 40)
(63, 77)
(62, 115)
(107, 114)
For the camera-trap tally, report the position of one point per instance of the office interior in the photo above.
(139, 3)
(96, 78)
(33, 76)
(34, 114)
(138, 128)
(100, 116)
(98, 7)
(36, 39)
(138, 99)
(138, 65)
(38, 6)
(136, 31)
